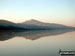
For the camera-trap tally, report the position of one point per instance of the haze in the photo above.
(50, 11)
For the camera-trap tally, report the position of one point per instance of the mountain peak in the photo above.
(32, 21)
(2, 20)
(6, 22)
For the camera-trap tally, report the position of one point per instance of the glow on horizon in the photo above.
(50, 11)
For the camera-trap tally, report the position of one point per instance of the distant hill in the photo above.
(31, 25)
(34, 24)
(7, 25)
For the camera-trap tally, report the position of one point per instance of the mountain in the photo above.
(31, 25)
(34, 24)
(7, 25)
(32, 21)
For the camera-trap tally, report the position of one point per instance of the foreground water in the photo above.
(36, 43)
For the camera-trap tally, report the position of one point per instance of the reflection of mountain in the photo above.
(32, 35)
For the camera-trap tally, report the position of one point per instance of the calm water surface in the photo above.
(36, 43)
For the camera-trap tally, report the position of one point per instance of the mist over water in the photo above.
(36, 42)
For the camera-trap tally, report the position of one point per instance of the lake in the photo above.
(36, 42)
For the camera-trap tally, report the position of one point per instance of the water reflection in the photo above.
(32, 34)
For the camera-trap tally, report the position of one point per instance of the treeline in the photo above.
(11, 28)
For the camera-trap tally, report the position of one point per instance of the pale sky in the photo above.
(50, 11)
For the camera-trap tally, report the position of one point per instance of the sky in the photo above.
(50, 11)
